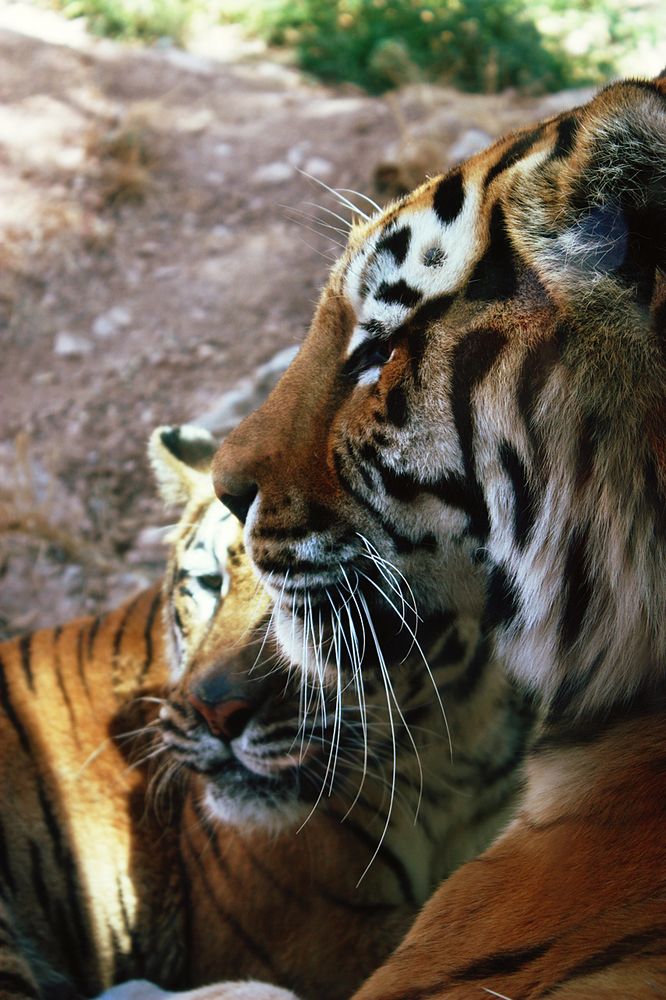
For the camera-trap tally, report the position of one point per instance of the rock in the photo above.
(296, 155)
(318, 167)
(69, 345)
(111, 321)
(151, 538)
(273, 173)
(248, 394)
(223, 149)
(470, 142)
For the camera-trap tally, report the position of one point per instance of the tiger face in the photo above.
(478, 410)
(270, 745)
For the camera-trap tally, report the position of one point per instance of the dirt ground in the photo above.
(155, 267)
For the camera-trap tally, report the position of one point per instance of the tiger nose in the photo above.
(244, 462)
(222, 704)
(240, 503)
(227, 719)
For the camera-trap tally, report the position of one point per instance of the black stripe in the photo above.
(502, 604)
(155, 606)
(212, 833)
(571, 690)
(633, 945)
(25, 649)
(401, 543)
(396, 243)
(655, 495)
(130, 929)
(577, 589)
(120, 971)
(452, 651)
(567, 131)
(524, 499)
(13, 984)
(7, 929)
(415, 329)
(398, 293)
(92, 635)
(534, 374)
(67, 865)
(391, 860)
(500, 963)
(253, 946)
(10, 711)
(57, 667)
(396, 406)
(5, 867)
(495, 275)
(431, 310)
(587, 437)
(81, 658)
(463, 687)
(659, 326)
(116, 671)
(451, 490)
(43, 895)
(516, 150)
(472, 359)
(455, 491)
(449, 197)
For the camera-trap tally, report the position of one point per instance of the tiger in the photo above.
(484, 374)
(149, 833)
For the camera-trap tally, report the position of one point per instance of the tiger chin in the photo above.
(154, 761)
(484, 375)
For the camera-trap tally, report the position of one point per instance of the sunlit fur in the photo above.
(484, 378)
(111, 865)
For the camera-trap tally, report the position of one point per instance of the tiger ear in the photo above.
(602, 193)
(181, 458)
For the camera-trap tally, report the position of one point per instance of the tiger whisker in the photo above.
(336, 194)
(322, 208)
(295, 213)
(380, 657)
(311, 229)
(359, 194)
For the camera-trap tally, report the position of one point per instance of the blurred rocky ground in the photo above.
(160, 256)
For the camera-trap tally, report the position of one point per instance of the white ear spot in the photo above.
(434, 256)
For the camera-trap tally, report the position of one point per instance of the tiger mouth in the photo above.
(249, 785)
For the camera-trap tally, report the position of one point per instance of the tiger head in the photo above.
(269, 746)
(478, 408)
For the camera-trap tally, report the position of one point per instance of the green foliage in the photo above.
(478, 45)
(134, 20)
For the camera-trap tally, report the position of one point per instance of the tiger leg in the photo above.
(141, 989)
(16, 979)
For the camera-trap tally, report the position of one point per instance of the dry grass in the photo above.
(27, 510)
(125, 157)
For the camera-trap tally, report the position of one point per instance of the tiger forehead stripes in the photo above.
(478, 409)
